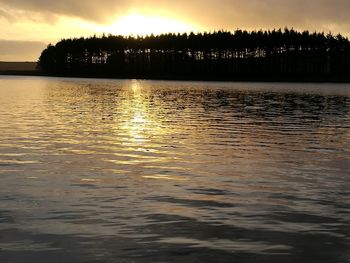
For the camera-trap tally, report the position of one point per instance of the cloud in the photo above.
(6, 15)
(227, 14)
(222, 11)
(256, 14)
(89, 9)
(20, 50)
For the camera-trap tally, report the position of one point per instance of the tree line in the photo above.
(274, 55)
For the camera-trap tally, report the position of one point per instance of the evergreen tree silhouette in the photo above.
(276, 55)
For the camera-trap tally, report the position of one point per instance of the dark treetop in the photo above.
(258, 55)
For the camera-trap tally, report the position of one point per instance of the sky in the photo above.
(28, 26)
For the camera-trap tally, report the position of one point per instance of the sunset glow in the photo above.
(28, 26)
(139, 24)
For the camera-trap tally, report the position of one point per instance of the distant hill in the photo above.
(17, 67)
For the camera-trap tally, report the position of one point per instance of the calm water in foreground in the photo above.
(151, 171)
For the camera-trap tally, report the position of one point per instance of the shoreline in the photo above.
(179, 78)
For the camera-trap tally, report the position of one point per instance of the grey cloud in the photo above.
(88, 9)
(211, 14)
(274, 13)
(6, 15)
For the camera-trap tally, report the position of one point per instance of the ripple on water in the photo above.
(152, 171)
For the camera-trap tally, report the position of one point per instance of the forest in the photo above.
(240, 55)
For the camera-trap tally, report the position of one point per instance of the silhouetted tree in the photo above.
(276, 54)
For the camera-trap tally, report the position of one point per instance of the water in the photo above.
(152, 171)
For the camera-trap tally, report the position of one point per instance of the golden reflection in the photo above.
(164, 177)
(136, 115)
(140, 123)
(87, 180)
(140, 130)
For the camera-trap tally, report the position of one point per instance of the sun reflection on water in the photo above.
(134, 110)
(140, 123)
(141, 132)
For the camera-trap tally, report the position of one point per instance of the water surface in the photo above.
(154, 171)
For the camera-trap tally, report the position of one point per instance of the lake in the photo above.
(96, 170)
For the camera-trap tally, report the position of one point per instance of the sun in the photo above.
(141, 25)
